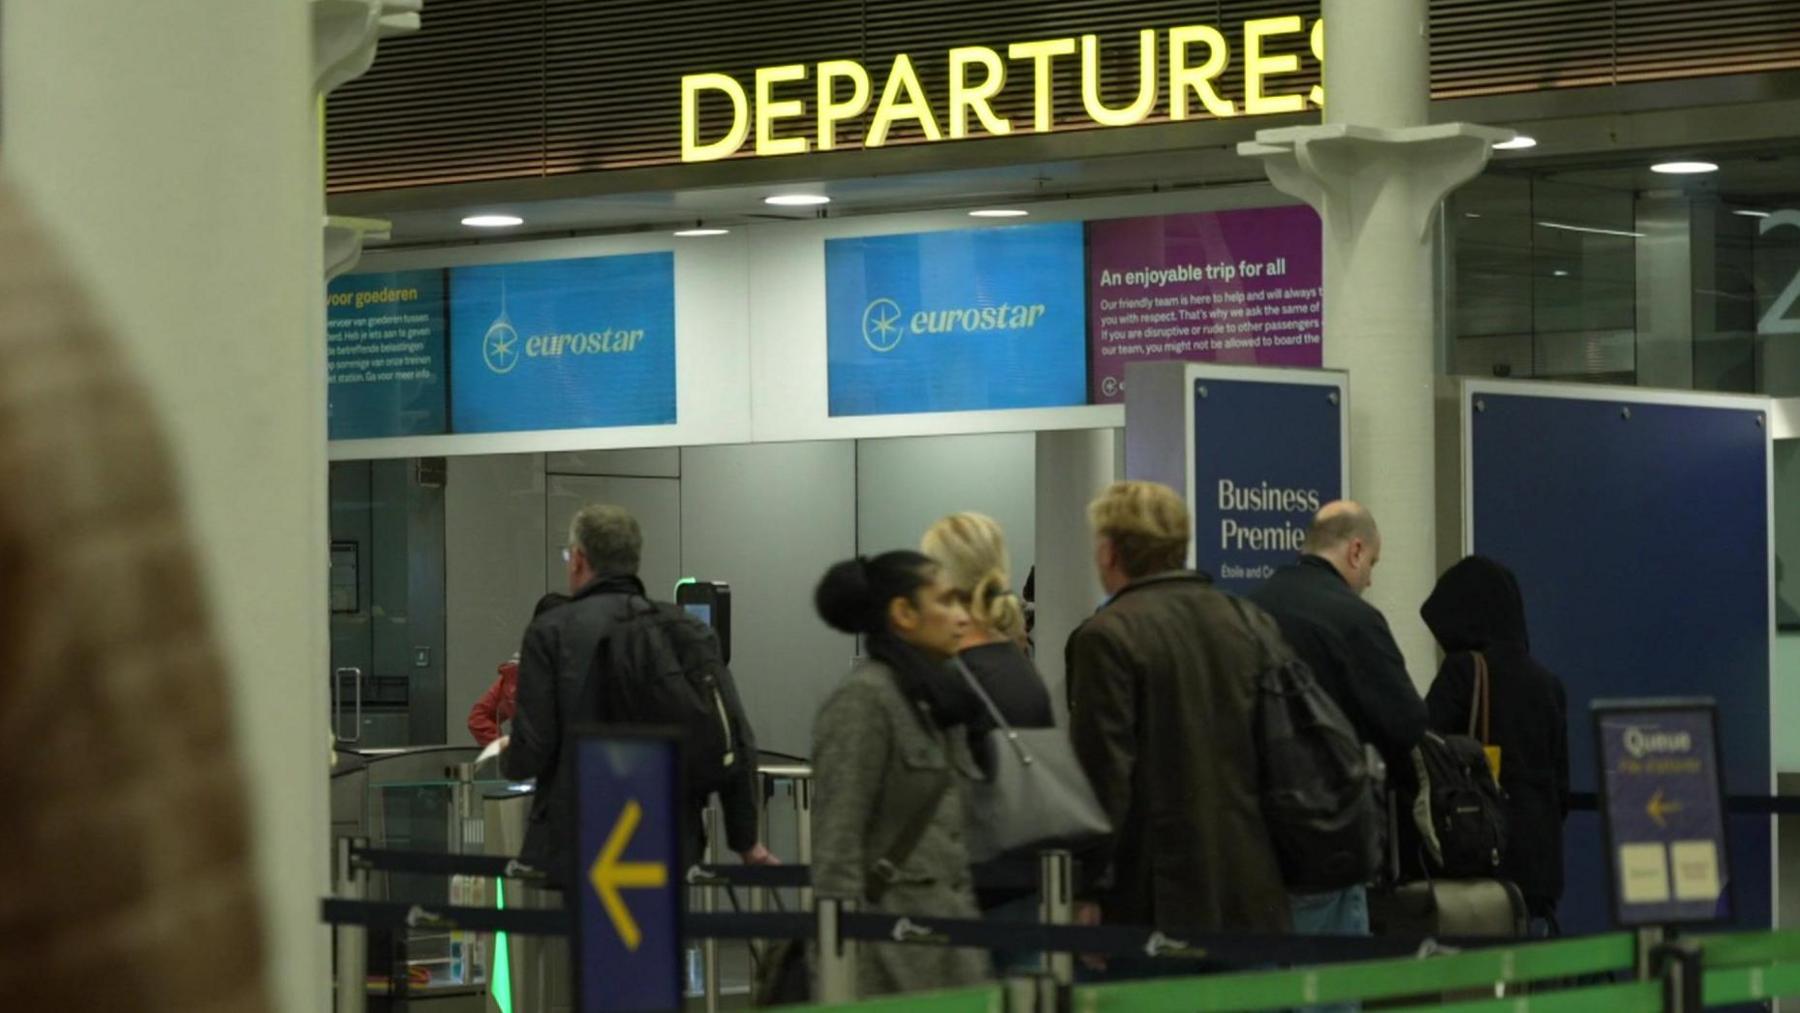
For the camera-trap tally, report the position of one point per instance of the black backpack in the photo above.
(1460, 811)
(660, 666)
(1319, 786)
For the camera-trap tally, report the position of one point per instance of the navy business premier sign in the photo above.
(967, 320)
(1664, 809)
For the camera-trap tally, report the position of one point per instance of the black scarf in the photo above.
(932, 685)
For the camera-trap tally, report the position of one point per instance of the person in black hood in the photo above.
(1477, 614)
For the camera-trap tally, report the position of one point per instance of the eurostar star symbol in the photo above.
(500, 347)
(881, 325)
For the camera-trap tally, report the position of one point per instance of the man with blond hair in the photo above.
(1162, 691)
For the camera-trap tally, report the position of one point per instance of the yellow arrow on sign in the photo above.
(1659, 809)
(609, 875)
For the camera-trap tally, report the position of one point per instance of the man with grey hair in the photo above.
(1317, 600)
(560, 657)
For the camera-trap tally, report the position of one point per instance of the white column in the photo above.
(1072, 468)
(1377, 174)
(172, 149)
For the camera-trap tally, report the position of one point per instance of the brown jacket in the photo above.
(1161, 695)
(126, 850)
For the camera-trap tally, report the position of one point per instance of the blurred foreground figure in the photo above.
(127, 848)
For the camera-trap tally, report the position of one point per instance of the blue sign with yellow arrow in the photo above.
(1664, 811)
(628, 845)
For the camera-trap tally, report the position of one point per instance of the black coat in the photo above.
(1347, 644)
(1162, 690)
(555, 661)
(1477, 607)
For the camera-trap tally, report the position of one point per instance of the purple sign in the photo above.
(1218, 286)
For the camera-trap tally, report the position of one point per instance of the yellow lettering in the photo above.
(831, 111)
(1257, 66)
(1318, 51)
(768, 110)
(1137, 111)
(902, 78)
(1041, 54)
(963, 98)
(1200, 79)
(691, 87)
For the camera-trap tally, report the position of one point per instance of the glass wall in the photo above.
(1617, 274)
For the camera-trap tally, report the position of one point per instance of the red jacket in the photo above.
(498, 704)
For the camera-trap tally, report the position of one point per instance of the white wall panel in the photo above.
(770, 519)
(493, 571)
(904, 485)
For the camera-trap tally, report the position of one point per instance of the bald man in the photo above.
(1317, 601)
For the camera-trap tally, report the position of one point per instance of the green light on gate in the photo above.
(681, 583)
(500, 982)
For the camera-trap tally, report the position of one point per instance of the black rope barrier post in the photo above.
(352, 940)
(1680, 966)
(803, 806)
(1056, 887)
(837, 952)
(709, 902)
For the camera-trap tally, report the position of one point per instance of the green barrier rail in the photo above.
(1751, 984)
(1633, 997)
(1384, 979)
(987, 999)
(1746, 949)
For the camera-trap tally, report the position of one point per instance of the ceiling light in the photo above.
(1566, 227)
(493, 221)
(698, 231)
(1471, 214)
(1519, 143)
(1752, 214)
(1559, 273)
(1683, 168)
(999, 213)
(797, 200)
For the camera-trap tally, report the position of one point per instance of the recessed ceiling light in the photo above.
(1684, 168)
(797, 200)
(1471, 214)
(1752, 214)
(1518, 143)
(1560, 273)
(695, 232)
(493, 221)
(999, 213)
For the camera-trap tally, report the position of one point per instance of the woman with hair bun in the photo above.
(890, 760)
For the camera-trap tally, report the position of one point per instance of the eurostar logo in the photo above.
(881, 325)
(500, 347)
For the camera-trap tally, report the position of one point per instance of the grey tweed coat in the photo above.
(875, 763)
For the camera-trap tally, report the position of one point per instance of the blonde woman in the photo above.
(972, 550)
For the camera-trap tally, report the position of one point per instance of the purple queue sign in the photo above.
(1241, 287)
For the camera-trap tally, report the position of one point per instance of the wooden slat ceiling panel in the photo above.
(497, 89)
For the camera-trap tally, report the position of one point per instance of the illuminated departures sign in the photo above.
(1199, 56)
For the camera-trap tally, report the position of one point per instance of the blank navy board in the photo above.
(1266, 457)
(1641, 545)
